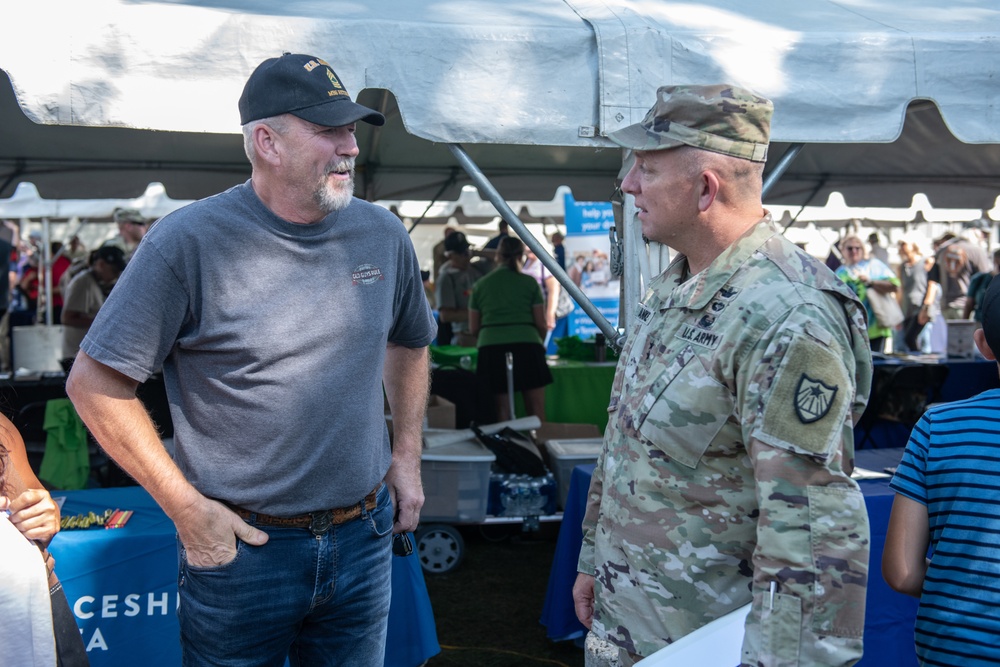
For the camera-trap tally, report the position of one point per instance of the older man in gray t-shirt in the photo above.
(277, 309)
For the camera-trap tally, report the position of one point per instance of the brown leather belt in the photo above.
(317, 522)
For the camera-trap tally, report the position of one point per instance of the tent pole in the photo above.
(490, 193)
(779, 169)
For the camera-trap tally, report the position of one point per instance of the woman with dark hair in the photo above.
(33, 605)
(507, 314)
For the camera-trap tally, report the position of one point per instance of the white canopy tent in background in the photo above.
(816, 226)
(26, 202)
(889, 99)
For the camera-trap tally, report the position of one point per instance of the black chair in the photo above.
(901, 394)
(473, 403)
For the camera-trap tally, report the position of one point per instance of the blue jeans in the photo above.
(317, 599)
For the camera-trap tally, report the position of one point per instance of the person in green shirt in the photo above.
(507, 314)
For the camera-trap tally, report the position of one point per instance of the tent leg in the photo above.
(779, 169)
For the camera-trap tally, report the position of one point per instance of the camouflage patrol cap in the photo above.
(719, 118)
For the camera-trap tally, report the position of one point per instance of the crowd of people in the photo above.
(911, 304)
(80, 281)
(481, 304)
(725, 474)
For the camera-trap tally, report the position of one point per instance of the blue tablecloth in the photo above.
(890, 616)
(966, 377)
(122, 587)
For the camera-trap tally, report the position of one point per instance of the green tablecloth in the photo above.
(580, 393)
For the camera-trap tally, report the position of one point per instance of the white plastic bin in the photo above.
(456, 481)
(564, 455)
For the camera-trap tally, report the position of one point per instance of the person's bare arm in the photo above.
(406, 377)
(106, 401)
(33, 512)
(884, 286)
(970, 305)
(904, 560)
(552, 288)
(930, 296)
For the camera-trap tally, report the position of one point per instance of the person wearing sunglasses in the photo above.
(864, 275)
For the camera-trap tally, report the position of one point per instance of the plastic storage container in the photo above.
(960, 343)
(456, 482)
(564, 455)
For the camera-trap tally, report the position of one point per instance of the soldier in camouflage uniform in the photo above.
(725, 473)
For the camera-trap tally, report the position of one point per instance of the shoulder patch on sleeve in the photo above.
(808, 402)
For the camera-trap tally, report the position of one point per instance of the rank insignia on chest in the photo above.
(813, 399)
(728, 292)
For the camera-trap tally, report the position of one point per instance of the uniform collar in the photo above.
(696, 292)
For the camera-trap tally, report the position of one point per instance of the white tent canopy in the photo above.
(891, 98)
(27, 203)
(470, 205)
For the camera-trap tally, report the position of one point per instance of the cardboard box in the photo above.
(456, 480)
(440, 413)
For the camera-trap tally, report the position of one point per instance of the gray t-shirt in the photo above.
(272, 338)
(454, 287)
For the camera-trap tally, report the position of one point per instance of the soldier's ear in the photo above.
(708, 184)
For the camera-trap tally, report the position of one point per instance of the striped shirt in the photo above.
(952, 465)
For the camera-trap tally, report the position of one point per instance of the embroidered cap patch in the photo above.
(813, 399)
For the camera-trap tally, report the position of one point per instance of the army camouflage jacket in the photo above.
(727, 458)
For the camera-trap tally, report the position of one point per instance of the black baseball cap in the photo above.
(456, 242)
(113, 255)
(304, 86)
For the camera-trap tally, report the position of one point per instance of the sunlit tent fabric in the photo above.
(890, 98)
(27, 203)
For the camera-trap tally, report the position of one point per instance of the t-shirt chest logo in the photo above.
(366, 274)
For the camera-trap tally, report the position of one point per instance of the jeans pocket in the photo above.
(186, 564)
(381, 518)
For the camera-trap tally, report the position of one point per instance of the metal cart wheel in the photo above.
(440, 548)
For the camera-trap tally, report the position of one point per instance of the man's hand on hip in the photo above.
(209, 530)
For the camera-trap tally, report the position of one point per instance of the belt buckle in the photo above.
(320, 522)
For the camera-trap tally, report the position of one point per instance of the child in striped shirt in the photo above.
(948, 498)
